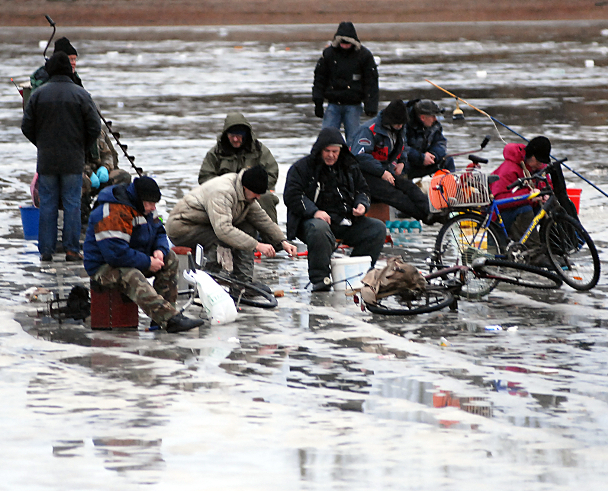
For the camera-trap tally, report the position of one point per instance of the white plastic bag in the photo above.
(217, 303)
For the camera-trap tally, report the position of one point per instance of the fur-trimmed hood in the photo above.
(346, 33)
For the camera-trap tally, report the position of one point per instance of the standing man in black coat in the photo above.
(346, 76)
(327, 198)
(62, 121)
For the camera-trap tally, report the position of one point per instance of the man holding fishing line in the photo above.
(224, 214)
(327, 198)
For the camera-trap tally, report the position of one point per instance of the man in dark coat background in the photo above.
(327, 198)
(62, 121)
(346, 76)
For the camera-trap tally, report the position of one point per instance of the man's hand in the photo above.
(266, 249)
(371, 114)
(359, 210)
(319, 110)
(156, 264)
(388, 177)
(159, 255)
(289, 248)
(398, 167)
(429, 158)
(321, 215)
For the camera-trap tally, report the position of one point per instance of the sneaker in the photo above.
(47, 258)
(180, 323)
(72, 256)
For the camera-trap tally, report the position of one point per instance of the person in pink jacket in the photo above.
(520, 160)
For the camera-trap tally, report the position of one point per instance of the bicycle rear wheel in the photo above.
(572, 252)
(517, 273)
(413, 302)
(245, 293)
(461, 240)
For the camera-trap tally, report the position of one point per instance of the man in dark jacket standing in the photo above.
(381, 151)
(327, 198)
(62, 121)
(427, 145)
(126, 243)
(346, 76)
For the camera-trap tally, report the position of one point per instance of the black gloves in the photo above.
(319, 109)
(371, 114)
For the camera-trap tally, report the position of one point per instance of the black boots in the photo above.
(180, 322)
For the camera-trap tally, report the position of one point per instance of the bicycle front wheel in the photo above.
(245, 293)
(517, 273)
(413, 302)
(572, 252)
(463, 239)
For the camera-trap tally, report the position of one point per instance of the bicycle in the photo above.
(447, 291)
(477, 236)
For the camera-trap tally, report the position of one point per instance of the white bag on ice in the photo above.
(217, 303)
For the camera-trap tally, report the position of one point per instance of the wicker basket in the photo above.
(466, 189)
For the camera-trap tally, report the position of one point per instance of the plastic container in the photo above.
(30, 217)
(347, 272)
(575, 196)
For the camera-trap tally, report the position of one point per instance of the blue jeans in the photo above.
(52, 188)
(338, 114)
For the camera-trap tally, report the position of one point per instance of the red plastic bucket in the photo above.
(575, 197)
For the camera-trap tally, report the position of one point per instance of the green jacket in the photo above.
(223, 158)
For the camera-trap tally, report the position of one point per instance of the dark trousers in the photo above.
(414, 171)
(366, 236)
(404, 195)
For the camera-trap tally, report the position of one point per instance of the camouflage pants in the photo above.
(157, 301)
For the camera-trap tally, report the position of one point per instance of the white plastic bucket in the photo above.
(347, 272)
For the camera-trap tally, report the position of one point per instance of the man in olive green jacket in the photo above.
(224, 212)
(236, 149)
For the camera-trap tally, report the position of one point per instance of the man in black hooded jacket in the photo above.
(327, 198)
(346, 76)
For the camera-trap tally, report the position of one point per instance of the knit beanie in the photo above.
(147, 189)
(539, 147)
(58, 64)
(395, 113)
(63, 44)
(256, 179)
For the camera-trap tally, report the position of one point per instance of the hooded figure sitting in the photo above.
(126, 243)
(327, 198)
(345, 76)
(41, 76)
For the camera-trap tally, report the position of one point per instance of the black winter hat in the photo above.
(63, 44)
(539, 147)
(238, 129)
(58, 64)
(147, 189)
(256, 179)
(395, 113)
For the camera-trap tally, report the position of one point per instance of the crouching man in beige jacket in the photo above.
(224, 212)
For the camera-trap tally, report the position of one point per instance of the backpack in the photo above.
(396, 277)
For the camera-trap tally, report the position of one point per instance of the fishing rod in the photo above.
(494, 120)
(122, 146)
(52, 35)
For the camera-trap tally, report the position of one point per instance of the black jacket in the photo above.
(304, 183)
(347, 76)
(62, 121)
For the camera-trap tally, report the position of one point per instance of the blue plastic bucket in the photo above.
(30, 216)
